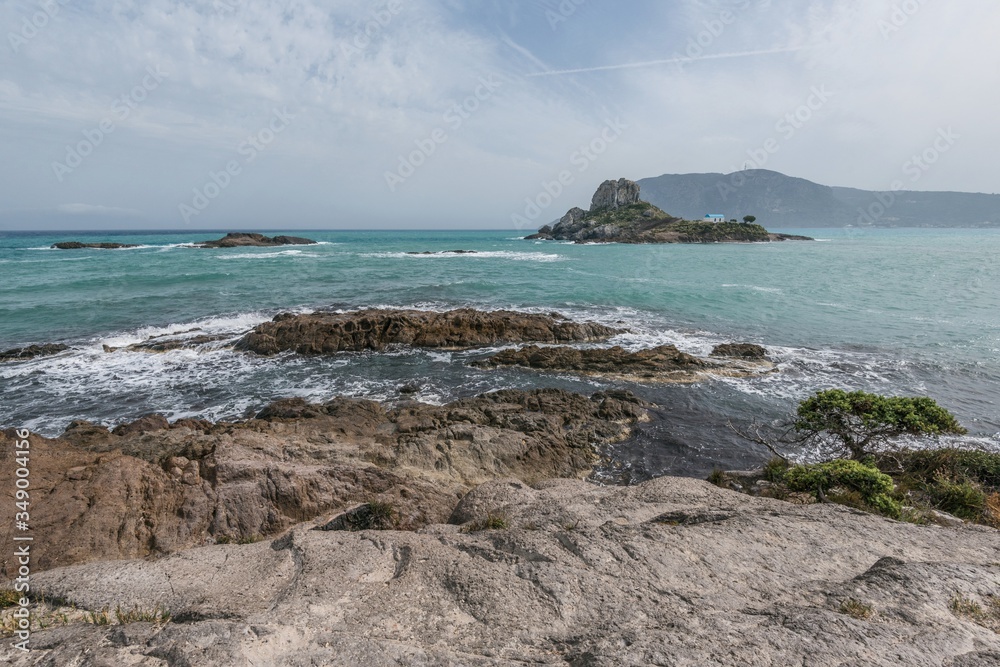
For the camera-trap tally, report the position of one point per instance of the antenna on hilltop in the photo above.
(746, 165)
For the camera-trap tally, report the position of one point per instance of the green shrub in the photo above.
(718, 477)
(774, 470)
(373, 516)
(964, 499)
(861, 424)
(9, 598)
(872, 485)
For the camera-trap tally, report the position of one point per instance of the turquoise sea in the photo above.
(900, 311)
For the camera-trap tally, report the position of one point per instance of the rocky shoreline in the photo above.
(359, 532)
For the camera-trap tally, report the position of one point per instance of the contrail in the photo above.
(668, 61)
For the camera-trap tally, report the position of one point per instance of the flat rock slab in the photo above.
(670, 572)
(377, 329)
(659, 364)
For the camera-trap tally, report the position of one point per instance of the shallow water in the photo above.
(893, 311)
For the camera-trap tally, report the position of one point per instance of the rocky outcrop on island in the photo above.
(242, 239)
(673, 571)
(377, 329)
(76, 245)
(32, 351)
(663, 364)
(618, 215)
(153, 488)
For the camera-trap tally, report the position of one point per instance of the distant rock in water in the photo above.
(618, 215)
(76, 245)
(241, 239)
(32, 351)
(376, 329)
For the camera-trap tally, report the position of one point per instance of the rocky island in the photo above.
(242, 239)
(618, 215)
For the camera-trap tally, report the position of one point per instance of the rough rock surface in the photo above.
(670, 572)
(614, 195)
(76, 245)
(374, 329)
(740, 351)
(664, 363)
(32, 351)
(151, 487)
(241, 239)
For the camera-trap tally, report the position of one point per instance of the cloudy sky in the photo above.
(298, 114)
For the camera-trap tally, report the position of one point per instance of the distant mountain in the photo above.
(783, 201)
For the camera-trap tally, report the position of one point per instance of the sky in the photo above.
(495, 114)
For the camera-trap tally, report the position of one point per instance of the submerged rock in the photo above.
(374, 329)
(671, 572)
(614, 360)
(32, 351)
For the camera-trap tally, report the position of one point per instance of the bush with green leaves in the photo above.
(872, 486)
(860, 424)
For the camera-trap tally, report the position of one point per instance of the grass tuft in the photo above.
(857, 609)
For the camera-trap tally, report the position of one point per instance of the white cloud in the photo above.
(358, 106)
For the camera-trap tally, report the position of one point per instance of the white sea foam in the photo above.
(269, 255)
(486, 254)
(756, 288)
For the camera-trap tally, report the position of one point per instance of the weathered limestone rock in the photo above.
(153, 488)
(670, 572)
